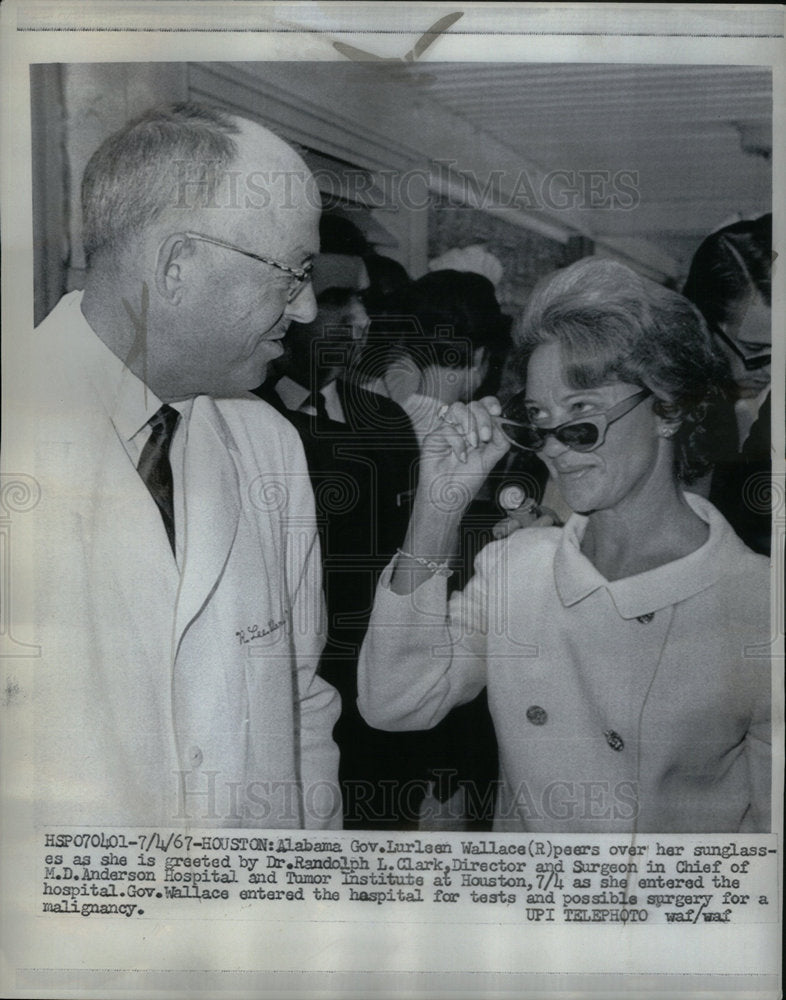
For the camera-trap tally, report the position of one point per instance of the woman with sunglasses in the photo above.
(625, 655)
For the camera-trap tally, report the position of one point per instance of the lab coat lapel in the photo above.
(212, 509)
(129, 561)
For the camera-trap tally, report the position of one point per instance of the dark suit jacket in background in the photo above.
(741, 480)
(364, 473)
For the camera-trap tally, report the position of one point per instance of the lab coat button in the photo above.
(195, 756)
(537, 715)
(646, 619)
(614, 740)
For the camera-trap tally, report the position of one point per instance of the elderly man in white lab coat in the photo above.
(177, 571)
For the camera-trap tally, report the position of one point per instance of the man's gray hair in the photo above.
(164, 157)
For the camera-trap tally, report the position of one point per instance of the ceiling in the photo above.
(645, 160)
(698, 137)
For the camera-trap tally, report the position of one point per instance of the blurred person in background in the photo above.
(362, 458)
(319, 354)
(439, 346)
(443, 339)
(388, 282)
(730, 282)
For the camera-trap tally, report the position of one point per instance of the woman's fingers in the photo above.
(483, 413)
(546, 521)
(528, 515)
(475, 422)
(505, 527)
(548, 518)
(492, 404)
(447, 436)
(467, 429)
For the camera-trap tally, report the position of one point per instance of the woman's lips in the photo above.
(575, 471)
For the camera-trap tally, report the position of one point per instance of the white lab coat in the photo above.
(163, 696)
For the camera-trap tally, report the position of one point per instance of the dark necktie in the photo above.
(154, 467)
(317, 400)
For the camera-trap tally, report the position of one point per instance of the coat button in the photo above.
(646, 619)
(614, 740)
(195, 756)
(537, 715)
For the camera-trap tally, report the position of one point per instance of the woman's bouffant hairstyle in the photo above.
(171, 156)
(730, 266)
(614, 326)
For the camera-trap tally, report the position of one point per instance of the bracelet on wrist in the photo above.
(438, 569)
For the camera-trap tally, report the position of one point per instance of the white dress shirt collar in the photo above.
(297, 397)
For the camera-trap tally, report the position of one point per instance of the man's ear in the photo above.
(169, 268)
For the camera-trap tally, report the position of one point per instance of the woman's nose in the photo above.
(552, 447)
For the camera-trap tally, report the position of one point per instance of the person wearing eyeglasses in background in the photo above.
(730, 282)
(179, 607)
(619, 652)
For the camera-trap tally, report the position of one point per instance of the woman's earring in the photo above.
(667, 432)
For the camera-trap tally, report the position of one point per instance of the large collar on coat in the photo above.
(576, 577)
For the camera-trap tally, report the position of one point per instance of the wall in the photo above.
(525, 255)
(75, 107)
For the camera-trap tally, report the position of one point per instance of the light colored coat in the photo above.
(641, 704)
(167, 697)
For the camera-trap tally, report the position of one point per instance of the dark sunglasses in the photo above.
(585, 434)
(752, 362)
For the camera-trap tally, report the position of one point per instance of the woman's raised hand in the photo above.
(458, 455)
(456, 458)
